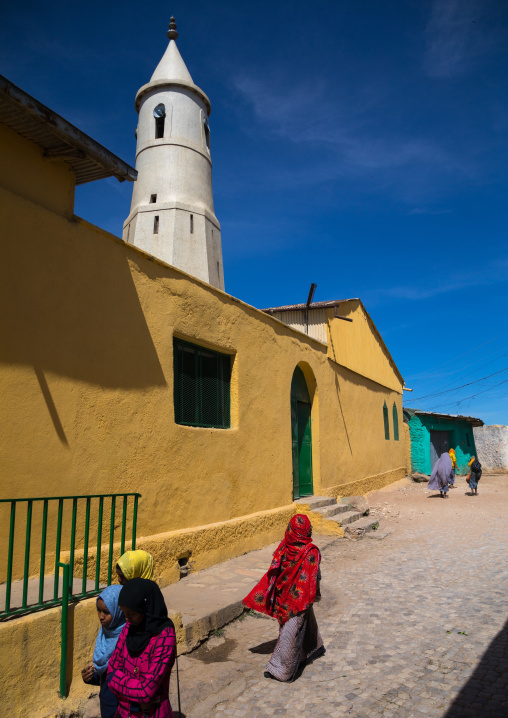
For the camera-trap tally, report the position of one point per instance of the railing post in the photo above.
(124, 521)
(99, 543)
(43, 550)
(85, 550)
(58, 546)
(111, 537)
(27, 552)
(134, 522)
(65, 619)
(73, 544)
(9, 557)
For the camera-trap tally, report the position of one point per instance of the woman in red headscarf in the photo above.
(287, 592)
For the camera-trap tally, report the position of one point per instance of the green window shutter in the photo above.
(395, 423)
(385, 418)
(202, 383)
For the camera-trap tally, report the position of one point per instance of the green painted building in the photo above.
(433, 434)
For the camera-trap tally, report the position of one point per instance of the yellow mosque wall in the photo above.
(86, 357)
(359, 346)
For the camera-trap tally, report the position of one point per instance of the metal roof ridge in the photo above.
(314, 305)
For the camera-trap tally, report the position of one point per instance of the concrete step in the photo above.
(329, 511)
(316, 502)
(364, 525)
(346, 518)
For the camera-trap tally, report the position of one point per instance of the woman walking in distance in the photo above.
(287, 592)
(441, 475)
(140, 667)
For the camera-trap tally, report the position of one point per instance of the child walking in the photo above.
(112, 621)
(475, 473)
(451, 482)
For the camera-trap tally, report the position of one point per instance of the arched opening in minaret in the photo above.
(207, 132)
(160, 118)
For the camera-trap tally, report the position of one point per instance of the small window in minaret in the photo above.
(192, 224)
(156, 225)
(160, 117)
(153, 198)
(207, 132)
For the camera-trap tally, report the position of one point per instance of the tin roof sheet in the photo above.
(59, 138)
(419, 412)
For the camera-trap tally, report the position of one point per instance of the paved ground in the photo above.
(414, 624)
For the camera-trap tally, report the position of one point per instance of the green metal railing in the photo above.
(81, 507)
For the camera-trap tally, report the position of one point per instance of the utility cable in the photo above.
(459, 401)
(458, 357)
(455, 388)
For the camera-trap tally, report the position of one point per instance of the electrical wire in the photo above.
(414, 376)
(459, 401)
(456, 388)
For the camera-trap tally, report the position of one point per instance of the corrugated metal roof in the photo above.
(314, 305)
(473, 420)
(60, 140)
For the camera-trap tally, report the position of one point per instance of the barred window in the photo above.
(395, 423)
(202, 386)
(387, 424)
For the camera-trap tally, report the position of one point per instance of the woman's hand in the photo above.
(87, 673)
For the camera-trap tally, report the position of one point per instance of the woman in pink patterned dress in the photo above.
(140, 667)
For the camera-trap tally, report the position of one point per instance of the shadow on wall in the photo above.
(337, 388)
(70, 307)
(486, 692)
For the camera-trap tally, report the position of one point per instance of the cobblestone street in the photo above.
(414, 624)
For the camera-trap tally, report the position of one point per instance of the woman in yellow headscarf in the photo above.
(454, 468)
(134, 564)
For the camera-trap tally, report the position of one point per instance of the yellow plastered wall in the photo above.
(25, 172)
(407, 448)
(357, 345)
(86, 357)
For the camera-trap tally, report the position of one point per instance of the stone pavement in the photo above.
(414, 624)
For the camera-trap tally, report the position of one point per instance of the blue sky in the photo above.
(359, 145)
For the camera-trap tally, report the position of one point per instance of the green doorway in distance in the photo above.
(301, 436)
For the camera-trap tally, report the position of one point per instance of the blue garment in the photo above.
(108, 700)
(107, 638)
(473, 480)
(452, 478)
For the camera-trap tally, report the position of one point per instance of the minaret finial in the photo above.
(172, 33)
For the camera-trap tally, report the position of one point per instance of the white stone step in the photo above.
(316, 502)
(346, 518)
(329, 511)
(366, 522)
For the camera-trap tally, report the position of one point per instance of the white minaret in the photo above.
(172, 214)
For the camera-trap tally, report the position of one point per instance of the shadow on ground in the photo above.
(266, 648)
(485, 695)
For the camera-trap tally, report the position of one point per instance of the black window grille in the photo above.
(202, 386)
(395, 423)
(387, 424)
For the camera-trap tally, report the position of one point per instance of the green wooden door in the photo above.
(301, 435)
(304, 449)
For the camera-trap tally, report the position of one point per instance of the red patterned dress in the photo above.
(287, 592)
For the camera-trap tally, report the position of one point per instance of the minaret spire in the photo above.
(172, 33)
(172, 214)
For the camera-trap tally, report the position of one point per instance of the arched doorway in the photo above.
(301, 435)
